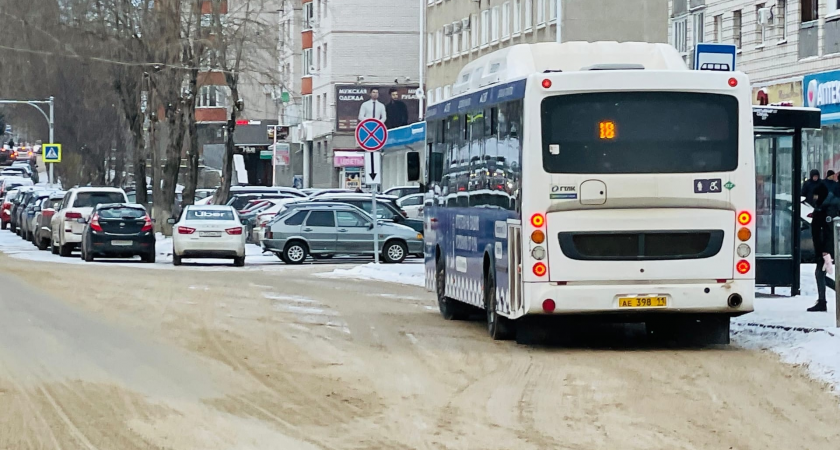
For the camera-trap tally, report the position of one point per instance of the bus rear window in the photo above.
(640, 132)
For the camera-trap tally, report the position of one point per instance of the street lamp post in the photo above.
(50, 119)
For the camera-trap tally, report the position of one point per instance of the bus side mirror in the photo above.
(413, 166)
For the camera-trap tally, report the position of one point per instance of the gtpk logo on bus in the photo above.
(563, 192)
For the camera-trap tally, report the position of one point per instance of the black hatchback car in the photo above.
(119, 230)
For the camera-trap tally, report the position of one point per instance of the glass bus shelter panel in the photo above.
(774, 196)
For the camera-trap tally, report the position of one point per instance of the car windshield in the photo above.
(94, 199)
(210, 214)
(122, 213)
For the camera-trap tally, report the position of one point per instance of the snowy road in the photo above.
(105, 356)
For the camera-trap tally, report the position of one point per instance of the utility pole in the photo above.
(50, 120)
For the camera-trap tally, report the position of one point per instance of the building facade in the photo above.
(350, 52)
(457, 31)
(789, 48)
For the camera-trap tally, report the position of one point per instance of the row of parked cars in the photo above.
(102, 222)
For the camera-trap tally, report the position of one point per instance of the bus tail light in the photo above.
(744, 218)
(744, 250)
(538, 237)
(546, 83)
(744, 234)
(743, 266)
(538, 220)
(733, 82)
(548, 305)
(538, 253)
(540, 269)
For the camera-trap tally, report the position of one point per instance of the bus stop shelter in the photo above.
(779, 222)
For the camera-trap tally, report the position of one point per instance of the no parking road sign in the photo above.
(51, 153)
(371, 134)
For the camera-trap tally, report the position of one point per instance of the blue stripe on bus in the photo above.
(486, 97)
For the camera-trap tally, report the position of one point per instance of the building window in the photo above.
(699, 20)
(438, 95)
(718, 28)
(679, 35)
(506, 20)
(833, 7)
(307, 16)
(529, 15)
(485, 27)
(456, 43)
(318, 58)
(307, 107)
(431, 97)
(540, 13)
(447, 41)
(552, 10)
(211, 97)
(318, 106)
(438, 45)
(517, 17)
(430, 48)
(781, 18)
(307, 61)
(494, 24)
(736, 29)
(465, 35)
(325, 55)
(759, 27)
(447, 92)
(810, 10)
(473, 25)
(324, 9)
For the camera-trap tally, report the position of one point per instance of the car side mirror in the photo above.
(170, 221)
(244, 221)
(397, 218)
(370, 226)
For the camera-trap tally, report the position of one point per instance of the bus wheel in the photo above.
(450, 308)
(500, 328)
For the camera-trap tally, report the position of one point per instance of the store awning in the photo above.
(345, 158)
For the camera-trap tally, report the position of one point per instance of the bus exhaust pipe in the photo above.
(735, 300)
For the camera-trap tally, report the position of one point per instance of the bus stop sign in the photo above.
(715, 57)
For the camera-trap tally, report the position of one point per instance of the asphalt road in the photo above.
(114, 357)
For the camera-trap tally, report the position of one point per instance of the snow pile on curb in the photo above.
(406, 273)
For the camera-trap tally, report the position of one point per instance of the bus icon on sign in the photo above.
(715, 57)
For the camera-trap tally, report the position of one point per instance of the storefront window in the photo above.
(764, 195)
(774, 195)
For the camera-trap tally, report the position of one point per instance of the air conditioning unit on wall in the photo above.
(765, 16)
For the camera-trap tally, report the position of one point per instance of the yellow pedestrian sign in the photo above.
(51, 153)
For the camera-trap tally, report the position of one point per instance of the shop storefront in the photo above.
(821, 148)
(350, 162)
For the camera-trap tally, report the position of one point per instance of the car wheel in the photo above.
(87, 256)
(176, 260)
(295, 252)
(395, 252)
(4, 225)
(43, 244)
(500, 328)
(65, 250)
(148, 257)
(54, 249)
(239, 261)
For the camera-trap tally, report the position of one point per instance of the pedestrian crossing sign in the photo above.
(51, 153)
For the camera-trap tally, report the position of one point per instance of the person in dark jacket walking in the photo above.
(809, 185)
(827, 207)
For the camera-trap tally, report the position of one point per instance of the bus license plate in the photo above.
(642, 302)
(121, 243)
(210, 233)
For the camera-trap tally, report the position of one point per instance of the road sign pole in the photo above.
(52, 138)
(375, 225)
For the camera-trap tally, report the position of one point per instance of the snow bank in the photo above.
(412, 274)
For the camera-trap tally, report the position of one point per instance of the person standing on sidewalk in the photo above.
(809, 185)
(826, 208)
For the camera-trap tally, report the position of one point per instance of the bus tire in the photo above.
(500, 328)
(450, 308)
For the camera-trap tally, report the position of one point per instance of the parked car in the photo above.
(118, 230)
(265, 190)
(256, 217)
(24, 154)
(42, 230)
(402, 191)
(27, 215)
(11, 182)
(386, 208)
(201, 194)
(239, 202)
(208, 232)
(77, 204)
(329, 229)
(321, 192)
(16, 172)
(18, 205)
(6, 158)
(412, 205)
(6, 210)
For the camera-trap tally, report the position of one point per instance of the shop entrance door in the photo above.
(778, 161)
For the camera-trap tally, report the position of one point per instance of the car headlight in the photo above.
(420, 236)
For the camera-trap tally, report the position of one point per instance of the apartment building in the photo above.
(789, 48)
(351, 52)
(459, 31)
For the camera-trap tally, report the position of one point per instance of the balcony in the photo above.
(808, 42)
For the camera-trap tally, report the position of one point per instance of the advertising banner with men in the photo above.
(395, 105)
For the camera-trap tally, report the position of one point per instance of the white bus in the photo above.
(599, 179)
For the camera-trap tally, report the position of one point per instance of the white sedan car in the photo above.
(208, 232)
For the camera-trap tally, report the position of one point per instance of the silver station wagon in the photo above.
(336, 229)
